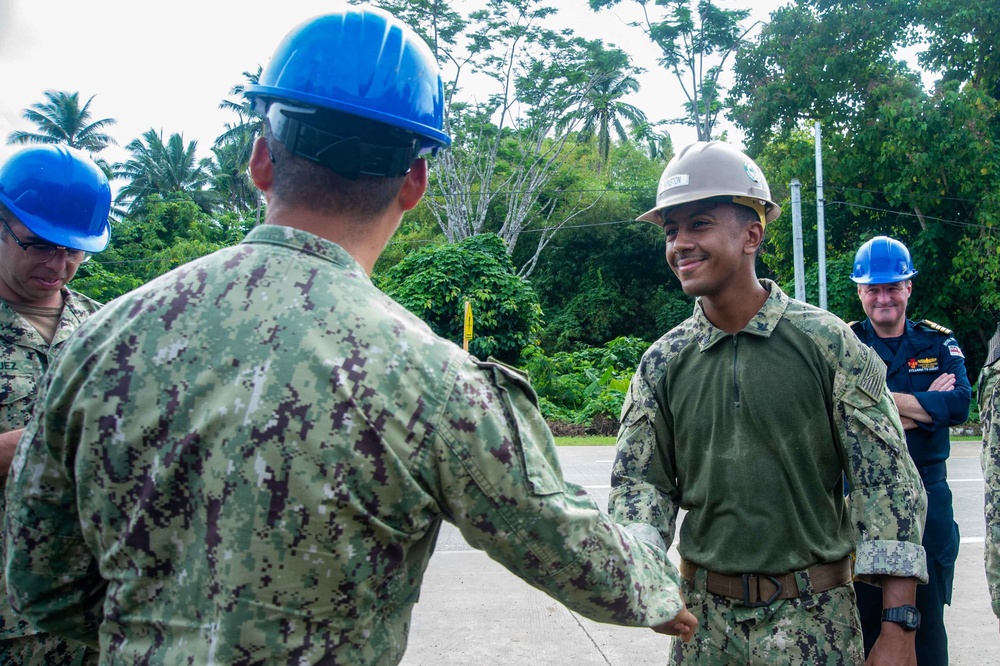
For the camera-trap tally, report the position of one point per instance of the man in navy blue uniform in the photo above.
(926, 375)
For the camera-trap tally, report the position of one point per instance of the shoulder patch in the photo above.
(871, 379)
(927, 323)
(994, 349)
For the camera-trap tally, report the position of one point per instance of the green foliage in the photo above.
(577, 386)
(164, 170)
(605, 276)
(172, 233)
(434, 283)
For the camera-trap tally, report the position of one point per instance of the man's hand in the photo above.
(945, 382)
(911, 411)
(894, 647)
(8, 444)
(683, 625)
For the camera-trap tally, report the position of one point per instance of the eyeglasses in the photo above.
(42, 252)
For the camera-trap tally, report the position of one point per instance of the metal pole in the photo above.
(800, 272)
(820, 221)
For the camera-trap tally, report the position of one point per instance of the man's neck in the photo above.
(893, 331)
(56, 300)
(362, 240)
(732, 311)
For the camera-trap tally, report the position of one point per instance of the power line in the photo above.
(957, 223)
(911, 194)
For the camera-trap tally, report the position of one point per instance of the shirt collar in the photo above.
(303, 241)
(762, 323)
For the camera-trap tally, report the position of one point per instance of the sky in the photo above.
(168, 65)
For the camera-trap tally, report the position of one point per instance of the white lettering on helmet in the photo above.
(670, 182)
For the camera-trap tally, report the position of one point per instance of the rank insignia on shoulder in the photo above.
(936, 327)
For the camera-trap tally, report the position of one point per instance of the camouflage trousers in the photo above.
(46, 650)
(816, 629)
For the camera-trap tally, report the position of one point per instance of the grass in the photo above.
(585, 441)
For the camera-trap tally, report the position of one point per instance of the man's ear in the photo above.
(414, 185)
(261, 166)
(755, 236)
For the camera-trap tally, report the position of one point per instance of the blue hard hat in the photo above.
(60, 195)
(363, 62)
(882, 260)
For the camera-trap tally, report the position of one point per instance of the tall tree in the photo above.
(170, 170)
(696, 39)
(600, 108)
(963, 41)
(62, 120)
(232, 150)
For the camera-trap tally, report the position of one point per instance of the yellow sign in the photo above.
(468, 325)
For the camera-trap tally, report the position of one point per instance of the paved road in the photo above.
(474, 612)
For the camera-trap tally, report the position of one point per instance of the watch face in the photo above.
(907, 617)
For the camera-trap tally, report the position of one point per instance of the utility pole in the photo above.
(800, 272)
(820, 221)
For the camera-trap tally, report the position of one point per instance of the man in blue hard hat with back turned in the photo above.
(748, 414)
(54, 204)
(927, 376)
(265, 445)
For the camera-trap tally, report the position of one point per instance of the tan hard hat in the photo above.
(707, 169)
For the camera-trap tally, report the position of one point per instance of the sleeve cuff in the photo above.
(647, 534)
(902, 559)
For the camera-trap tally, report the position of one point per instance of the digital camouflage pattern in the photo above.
(266, 446)
(24, 357)
(989, 403)
(817, 629)
(686, 441)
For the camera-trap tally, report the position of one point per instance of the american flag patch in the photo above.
(955, 350)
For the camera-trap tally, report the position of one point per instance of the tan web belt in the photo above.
(756, 590)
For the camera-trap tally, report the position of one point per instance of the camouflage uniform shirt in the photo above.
(989, 403)
(752, 432)
(247, 461)
(24, 358)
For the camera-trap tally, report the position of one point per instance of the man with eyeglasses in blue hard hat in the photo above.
(54, 204)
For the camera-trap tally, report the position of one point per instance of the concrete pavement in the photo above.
(473, 612)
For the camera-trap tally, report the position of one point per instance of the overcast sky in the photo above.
(167, 65)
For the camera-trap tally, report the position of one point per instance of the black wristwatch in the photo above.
(908, 617)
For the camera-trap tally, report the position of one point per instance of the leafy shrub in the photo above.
(585, 387)
(434, 283)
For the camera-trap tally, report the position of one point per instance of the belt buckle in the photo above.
(778, 588)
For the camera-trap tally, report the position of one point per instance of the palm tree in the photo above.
(233, 149)
(249, 121)
(599, 109)
(229, 171)
(63, 120)
(169, 170)
(658, 144)
(603, 112)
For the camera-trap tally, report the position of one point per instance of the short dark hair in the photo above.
(301, 182)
